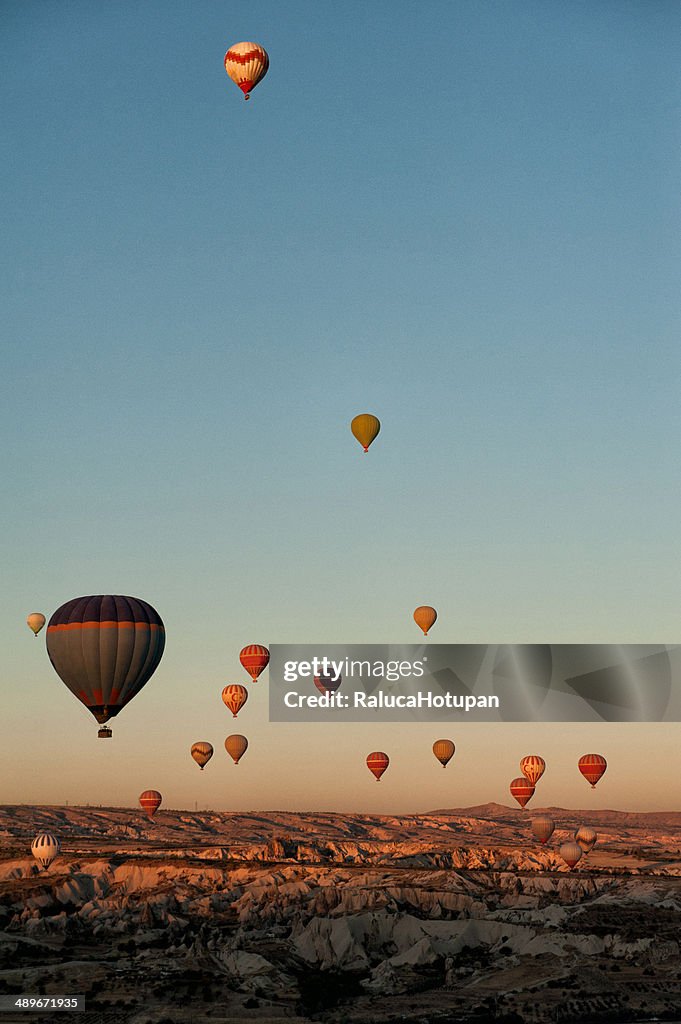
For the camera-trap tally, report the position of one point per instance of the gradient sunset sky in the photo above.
(462, 217)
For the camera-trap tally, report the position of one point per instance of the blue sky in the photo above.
(462, 217)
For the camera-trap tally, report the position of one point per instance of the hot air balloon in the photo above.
(533, 767)
(202, 753)
(105, 649)
(150, 801)
(543, 828)
(522, 790)
(236, 746)
(586, 838)
(45, 847)
(444, 751)
(571, 853)
(246, 64)
(254, 658)
(327, 684)
(424, 617)
(377, 762)
(592, 767)
(36, 621)
(234, 697)
(365, 428)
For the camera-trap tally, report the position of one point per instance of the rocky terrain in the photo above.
(456, 915)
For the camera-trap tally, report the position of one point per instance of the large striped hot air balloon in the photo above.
(246, 64)
(543, 827)
(202, 753)
(234, 697)
(365, 428)
(105, 649)
(571, 852)
(533, 767)
(522, 790)
(45, 847)
(254, 658)
(377, 762)
(150, 801)
(236, 746)
(327, 684)
(425, 617)
(35, 622)
(586, 838)
(592, 767)
(444, 751)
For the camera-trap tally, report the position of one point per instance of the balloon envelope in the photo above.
(424, 617)
(236, 746)
(365, 428)
(377, 762)
(543, 828)
(45, 847)
(234, 697)
(254, 658)
(36, 621)
(592, 767)
(105, 649)
(444, 751)
(533, 767)
(586, 838)
(202, 753)
(246, 64)
(570, 852)
(150, 801)
(327, 684)
(522, 790)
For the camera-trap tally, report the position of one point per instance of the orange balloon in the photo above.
(444, 751)
(36, 621)
(533, 767)
(377, 762)
(586, 838)
(202, 753)
(254, 658)
(571, 853)
(150, 801)
(522, 790)
(425, 617)
(592, 767)
(234, 697)
(543, 828)
(236, 746)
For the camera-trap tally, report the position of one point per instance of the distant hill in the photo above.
(499, 812)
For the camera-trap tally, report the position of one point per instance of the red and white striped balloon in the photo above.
(234, 697)
(521, 790)
(533, 767)
(150, 801)
(592, 767)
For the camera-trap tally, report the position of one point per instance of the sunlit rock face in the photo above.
(355, 917)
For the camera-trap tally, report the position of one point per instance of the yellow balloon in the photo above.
(365, 427)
